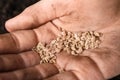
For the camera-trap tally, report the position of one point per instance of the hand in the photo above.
(41, 23)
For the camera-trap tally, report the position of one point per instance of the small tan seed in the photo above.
(72, 43)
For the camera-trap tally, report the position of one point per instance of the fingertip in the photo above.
(8, 25)
(13, 23)
(20, 22)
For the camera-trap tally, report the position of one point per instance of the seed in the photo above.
(79, 50)
(72, 43)
(97, 34)
(91, 32)
(53, 41)
(74, 53)
(73, 47)
(68, 50)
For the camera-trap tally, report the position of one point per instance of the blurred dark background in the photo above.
(11, 8)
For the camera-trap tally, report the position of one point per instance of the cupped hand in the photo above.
(41, 22)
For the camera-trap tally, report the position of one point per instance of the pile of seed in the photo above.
(72, 43)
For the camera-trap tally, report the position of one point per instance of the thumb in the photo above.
(33, 16)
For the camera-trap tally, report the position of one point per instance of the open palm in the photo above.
(41, 22)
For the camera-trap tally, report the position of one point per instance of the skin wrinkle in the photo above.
(35, 33)
(111, 38)
(58, 28)
(46, 16)
(28, 59)
(65, 67)
(34, 19)
(12, 76)
(16, 38)
(56, 15)
(2, 65)
(62, 9)
(16, 41)
(43, 69)
(70, 62)
(55, 29)
(58, 61)
(54, 10)
(52, 33)
(96, 61)
(34, 73)
(15, 76)
(89, 60)
(110, 24)
(52, 7)
(97, 66)
(14, 64)
(26, 39)
(75, 73)
(73, 17)
(36, 36)
(59, 18)
(62, 76)
(29, 74)
(16, 61)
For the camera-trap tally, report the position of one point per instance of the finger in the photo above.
(15, 42)
(83, 67)
(64, 76)
(38, 72)
(33, 16)
(18, 61)
(25, 40)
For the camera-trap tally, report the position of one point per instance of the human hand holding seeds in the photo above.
(42, 22)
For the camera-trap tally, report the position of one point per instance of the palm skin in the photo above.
(41, 23)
